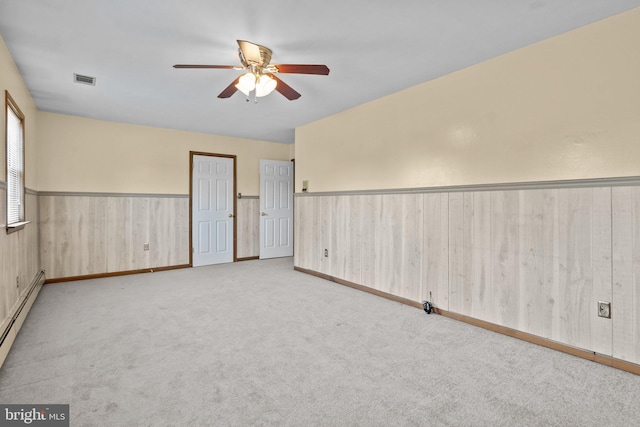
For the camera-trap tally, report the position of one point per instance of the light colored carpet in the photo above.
(256, 343)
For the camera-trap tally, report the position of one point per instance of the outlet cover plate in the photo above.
(604, 309)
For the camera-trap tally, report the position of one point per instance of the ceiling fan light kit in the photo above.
(262, 84)
(265, 85)
(247, 83)
(259, 76)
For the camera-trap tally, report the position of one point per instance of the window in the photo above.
(14, 132)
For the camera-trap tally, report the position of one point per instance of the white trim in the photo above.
(18, 224)
(533, 185)
(88, 194)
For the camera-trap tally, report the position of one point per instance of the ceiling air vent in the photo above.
(85, 80)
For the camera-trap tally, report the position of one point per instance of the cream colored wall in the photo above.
(11, 80)
(84, 155)
(292, 151)
(564, 108)
(19, 251)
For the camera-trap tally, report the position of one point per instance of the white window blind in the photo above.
(15, 166)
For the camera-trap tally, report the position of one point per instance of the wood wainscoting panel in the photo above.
(73, 235)
(583, 249)
(535, 260)
(625, 302)
(19, 258)
(160, 222)
(29, 243)
(304, 232)
(167, 228)
(574, 235)
(435, 259)
(535, 305)
(551, 267)
(478, 293)
(312, 233)
(467, 283)
(457, 252)
(601, 264)
(87, 235)
(248, 218)
(324, 221)
(346, 238)
(565, 265)
(372, 237)
(392, 244)
(299, 214)
(122, 255)
(505, 257)
(141, 212)
(8, 267)
(406, 222)
(182, 239)
(470, 288)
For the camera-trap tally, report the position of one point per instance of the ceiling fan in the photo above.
(260, 73)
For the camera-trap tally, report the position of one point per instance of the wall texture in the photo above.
(248, 217)
(19, 251)
(19, 258)
(626, 272)
(84, 234)
(104, 233)
(564, 108)
(11, 80)
(533, 260)
(81, 234)
(85, 155)
(93, 234)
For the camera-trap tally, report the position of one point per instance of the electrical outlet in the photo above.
(17, 281)
(326, 253)
(146, 246)
(604, 309)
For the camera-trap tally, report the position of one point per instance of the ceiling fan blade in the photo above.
(303, 69)
(251, 51)
(286, 90)
(226, 67)
(230, 90)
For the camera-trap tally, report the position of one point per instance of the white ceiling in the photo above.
(373, 48)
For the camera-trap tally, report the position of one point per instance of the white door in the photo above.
(276, 209)
(212, 210)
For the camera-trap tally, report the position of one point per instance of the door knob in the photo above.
(230, 215)
(263, 214)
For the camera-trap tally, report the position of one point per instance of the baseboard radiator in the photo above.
(17, 318)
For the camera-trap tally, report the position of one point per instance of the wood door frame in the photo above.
(235, 218)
